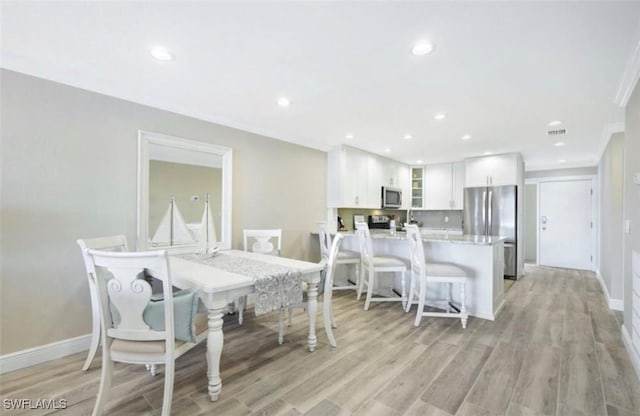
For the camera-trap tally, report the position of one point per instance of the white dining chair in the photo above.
(344, 257)
(325, 289)
(135, 329)
(267, 241)
(376, 264)
(117, 243)
(423, 273)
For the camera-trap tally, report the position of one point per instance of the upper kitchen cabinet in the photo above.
(444, 186)
(355, 178)
(498, 170)
(417, 186)
(347, 178)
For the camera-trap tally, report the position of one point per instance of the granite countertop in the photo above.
(453, 238)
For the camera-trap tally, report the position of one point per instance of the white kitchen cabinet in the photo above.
(355, 178)
(347, 178)
(404, 183)
(417, 187)
(444, 186)
(495, 170)
(458, 186)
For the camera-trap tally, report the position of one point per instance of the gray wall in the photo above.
(530, 223)
(631, 195)
(611, 175)
(68, 171)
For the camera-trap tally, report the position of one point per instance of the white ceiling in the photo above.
(501, 71)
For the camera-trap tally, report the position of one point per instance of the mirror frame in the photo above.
(147, 139)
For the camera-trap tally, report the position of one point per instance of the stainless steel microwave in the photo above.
(391, 197)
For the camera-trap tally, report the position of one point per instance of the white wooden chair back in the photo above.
(115, 243)
(364, 239)
(416, 250)
(130, 293)
(262, 241)
(325, 239)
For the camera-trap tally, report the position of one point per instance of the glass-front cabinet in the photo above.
(417, 187)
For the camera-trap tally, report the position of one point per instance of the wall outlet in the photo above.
(627, 226)
(446, 219)
(636, 178)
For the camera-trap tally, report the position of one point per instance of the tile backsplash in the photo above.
(437, 219)
(429, 219)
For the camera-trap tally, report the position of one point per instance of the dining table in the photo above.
(219, 286)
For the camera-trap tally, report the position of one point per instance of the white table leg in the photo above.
(312, 308)
(215, 340)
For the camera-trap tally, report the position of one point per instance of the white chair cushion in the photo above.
(380, 261)
(201, 323)
(444, 270)
(348, 254)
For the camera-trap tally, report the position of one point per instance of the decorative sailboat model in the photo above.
(207, 244)
(172, 230)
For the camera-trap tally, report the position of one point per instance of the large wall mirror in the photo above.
(184, 193)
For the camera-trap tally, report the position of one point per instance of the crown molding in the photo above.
(608, 131)
(629, 78)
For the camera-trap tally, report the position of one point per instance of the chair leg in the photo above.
(450, 297)
(95, 339)
(407, 307)
(360, 281)
(281, 327)
(370, 283)
(327, 316)
(241, 304)
(105, 383)
(404, 292)
(463, 306)
(169, 371)
(422, 294)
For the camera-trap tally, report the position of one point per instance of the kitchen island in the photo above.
(481, 256)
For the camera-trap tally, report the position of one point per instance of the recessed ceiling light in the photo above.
(555, 123)
(466, 137)
(422, 47)
(408, 137)
(349, 136)
(562, 160)
(283, 102)
(440, 116)
(387, 150)
(559, 144)
(419, 161)
(488, 153)
(161, 53)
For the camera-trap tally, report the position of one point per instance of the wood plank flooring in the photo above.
(554, 350)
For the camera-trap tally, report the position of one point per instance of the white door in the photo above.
(565, 221)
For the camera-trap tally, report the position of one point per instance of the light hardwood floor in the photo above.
(555, 349)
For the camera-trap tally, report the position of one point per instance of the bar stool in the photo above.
(433, 272)
(344, 257)
(376, 264)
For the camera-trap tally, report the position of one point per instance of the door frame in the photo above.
(595, 212)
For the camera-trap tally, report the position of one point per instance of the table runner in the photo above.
(276, 286)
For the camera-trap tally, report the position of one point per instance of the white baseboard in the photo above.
(32, 356)
(633, 354)
(614, 304)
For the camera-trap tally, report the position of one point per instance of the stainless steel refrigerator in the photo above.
(492, 210)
